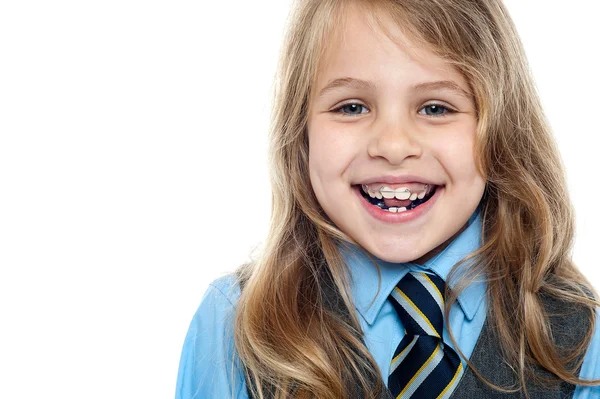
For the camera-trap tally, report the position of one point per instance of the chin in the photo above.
(395, 254)
(400, 258)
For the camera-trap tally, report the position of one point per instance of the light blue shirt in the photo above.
(209, 369)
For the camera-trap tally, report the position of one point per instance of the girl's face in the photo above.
(386, 118)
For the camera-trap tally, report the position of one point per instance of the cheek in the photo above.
(319, 165)
(330, 152)
(456, 153)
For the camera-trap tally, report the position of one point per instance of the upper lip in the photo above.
(398, 180)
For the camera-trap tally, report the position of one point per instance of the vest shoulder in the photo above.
(570, 321)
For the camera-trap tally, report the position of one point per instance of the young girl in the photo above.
(421, 224)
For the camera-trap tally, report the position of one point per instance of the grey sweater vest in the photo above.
(569, 326)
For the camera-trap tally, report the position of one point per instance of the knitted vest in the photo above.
(569, 326)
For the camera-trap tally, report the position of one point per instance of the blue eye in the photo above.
(436, 110)
(351, 109)
(431, 110)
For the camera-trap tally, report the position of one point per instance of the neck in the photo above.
(439, 248)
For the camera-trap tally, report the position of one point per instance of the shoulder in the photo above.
(570, 322)
(590, 369)
(570, 325)
(591, 366)
(218, 304)
(226, 288)
(209, 366)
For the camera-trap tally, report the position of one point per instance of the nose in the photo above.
(395, 140)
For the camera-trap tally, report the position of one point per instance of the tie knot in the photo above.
(419, 301)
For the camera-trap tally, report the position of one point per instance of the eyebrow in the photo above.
(350, 83)
(360, 84)
(443, 85)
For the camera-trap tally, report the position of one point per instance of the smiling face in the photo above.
(385, 117)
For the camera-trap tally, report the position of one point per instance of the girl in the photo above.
(421, 226)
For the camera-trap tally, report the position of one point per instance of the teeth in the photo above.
(402, 193)
(395, 210)
(375, 194)
(387, 192)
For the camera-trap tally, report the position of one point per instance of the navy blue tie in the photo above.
(423, 366)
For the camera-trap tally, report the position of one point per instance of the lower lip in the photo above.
(398, 217)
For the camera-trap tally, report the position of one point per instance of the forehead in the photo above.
(370, 45)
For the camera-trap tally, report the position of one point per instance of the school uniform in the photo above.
(209, 369)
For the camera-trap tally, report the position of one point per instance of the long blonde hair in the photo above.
(287, 334)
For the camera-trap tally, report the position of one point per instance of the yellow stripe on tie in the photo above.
(458, 370)
(411, 303)
(403, 350)
(419, 371)
(434, 286)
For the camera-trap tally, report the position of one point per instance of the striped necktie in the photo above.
(423, 366)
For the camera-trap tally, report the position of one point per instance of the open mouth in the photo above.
(394, 205)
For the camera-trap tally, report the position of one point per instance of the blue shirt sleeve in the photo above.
(209, 367)
(590, 369)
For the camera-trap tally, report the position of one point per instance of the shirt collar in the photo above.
(364, 278)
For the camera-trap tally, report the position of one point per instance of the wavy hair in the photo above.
(287, 332)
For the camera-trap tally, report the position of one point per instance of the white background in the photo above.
(133, 172)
